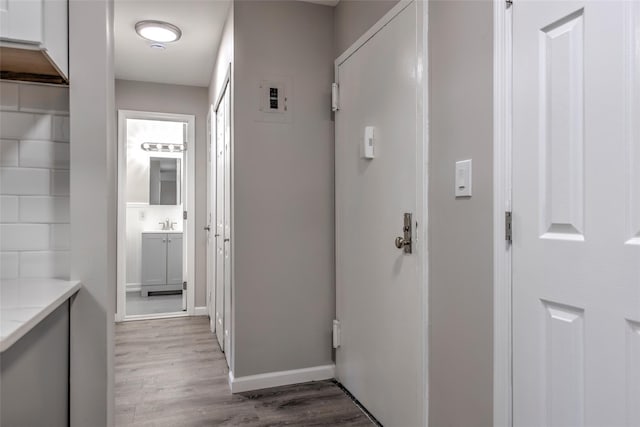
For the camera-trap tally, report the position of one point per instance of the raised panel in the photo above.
(633, 373)
(564, 364)
(561, 50)
(633, 124)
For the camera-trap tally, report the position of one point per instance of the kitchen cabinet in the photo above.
(161, 262)
(34, 40)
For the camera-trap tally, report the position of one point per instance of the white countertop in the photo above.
(26, 302)
(162, 231)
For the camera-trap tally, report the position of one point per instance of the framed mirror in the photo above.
(165, 181)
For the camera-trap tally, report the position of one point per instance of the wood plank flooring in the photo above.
(171, 372)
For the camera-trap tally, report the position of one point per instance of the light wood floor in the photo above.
(172, 373)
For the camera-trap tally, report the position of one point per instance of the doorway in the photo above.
(155, 195)
(574, 257)
(381, 227)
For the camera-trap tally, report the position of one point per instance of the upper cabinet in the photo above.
(34, 40)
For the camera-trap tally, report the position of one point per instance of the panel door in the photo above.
(378, 291)
(219, 224)
(21, 21)
(174, 259)
(210, 226)
(576, 214)
(154, 259)
(227, 226)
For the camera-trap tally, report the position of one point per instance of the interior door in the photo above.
(227, 225)
(219, 221)
(378, 289)
(210, 227)
(184, 195)
(576, 213)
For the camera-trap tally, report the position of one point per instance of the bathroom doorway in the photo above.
(155, 197)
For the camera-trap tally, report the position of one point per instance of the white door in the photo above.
(576, 213)
(378, 289)
(226, 102)
(185, 224)
(210, 227)
(219, 221)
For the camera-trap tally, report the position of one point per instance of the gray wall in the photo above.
(460, 243)
(93, 211)
(284, 290)
(352, 18)
(164, 98)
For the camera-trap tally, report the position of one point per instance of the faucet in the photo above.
(166, 225)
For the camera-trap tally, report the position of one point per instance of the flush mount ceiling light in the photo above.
(158, 31)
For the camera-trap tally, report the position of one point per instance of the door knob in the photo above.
(401, 242)
(404, 242)
(207, 228)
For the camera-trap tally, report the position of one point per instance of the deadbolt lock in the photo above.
(404, 242)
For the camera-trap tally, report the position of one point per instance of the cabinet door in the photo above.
(21, 21)
(154, 259)
(174, 258)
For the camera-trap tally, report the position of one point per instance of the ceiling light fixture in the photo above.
(164, 148)
(158, 31)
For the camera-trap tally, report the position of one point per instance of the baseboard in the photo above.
(201, 311)
(133, 287)
(277, 379)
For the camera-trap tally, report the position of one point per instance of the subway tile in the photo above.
(60, 236)
(24, 237)
(9, 152)
(45, 264)
(25, 182)
(8, 96)
(44, 154)
(44, 98)
(59, 183)
(9, 209)
(9, 262)
(61, 129)
(14, 125)
(44, 209)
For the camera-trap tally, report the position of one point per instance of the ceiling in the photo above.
(189, 61)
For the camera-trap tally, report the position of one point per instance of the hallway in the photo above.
(171, 373)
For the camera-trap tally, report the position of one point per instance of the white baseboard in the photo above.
(201, 311)
(277, 379)
(133, 287)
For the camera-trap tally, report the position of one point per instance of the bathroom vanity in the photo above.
(161, 261)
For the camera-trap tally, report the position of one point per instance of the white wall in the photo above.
(284, 285)
(164, 98)
(34, 181)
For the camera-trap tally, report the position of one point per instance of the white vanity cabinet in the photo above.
(161, 262)
(34, 40)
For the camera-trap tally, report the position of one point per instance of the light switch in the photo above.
(463, 178)
(368, 149)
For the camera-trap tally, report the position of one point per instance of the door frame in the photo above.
(502, 177)
(422, 166)
(211, 169)
(189, 233)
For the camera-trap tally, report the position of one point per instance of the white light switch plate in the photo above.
(463, 179)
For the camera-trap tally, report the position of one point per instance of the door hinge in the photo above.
(184, 215)
(336, 333)
(509, 3)
(508, 231)
(335, 97)
(184, 286)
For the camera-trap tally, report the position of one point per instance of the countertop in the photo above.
(162, 231)
(26, 302)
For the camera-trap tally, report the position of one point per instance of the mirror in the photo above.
(165, 181)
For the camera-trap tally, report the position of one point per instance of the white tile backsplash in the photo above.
(9, 262)
(15, 125)
(48, 99)
(44, 154)
(44, 209)
(60, 236)
(59, 183)
(9, 152)
(24, 237)
(24, 182)
(45, 264)
(9, 95)
(9, 209)
(34, 181)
